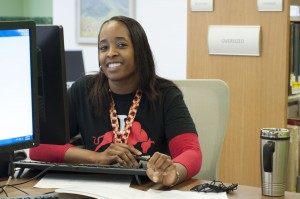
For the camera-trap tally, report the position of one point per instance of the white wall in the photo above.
(165, 22)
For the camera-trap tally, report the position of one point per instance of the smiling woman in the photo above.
(116, 57)
(127, 110)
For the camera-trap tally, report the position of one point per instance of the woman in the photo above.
(126, 110)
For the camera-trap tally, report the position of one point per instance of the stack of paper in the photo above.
(112, 187)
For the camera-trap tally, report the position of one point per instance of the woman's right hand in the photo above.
(115, 153)
(122, 154)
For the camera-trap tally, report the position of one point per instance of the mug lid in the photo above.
(276, 133)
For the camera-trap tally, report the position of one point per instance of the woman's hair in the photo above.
(145, 69)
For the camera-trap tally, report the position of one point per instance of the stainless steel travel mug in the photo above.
(274, 149)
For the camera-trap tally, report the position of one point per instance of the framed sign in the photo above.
(92, 13)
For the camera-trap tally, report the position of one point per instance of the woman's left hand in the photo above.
(161, 169)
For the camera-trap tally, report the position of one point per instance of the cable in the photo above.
(2, 188)
(38, 175)
(215, 187)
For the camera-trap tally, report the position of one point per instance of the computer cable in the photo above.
(2, 188)
(214, 187)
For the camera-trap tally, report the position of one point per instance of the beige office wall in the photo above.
(258, 85)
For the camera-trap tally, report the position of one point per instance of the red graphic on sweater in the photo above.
(107, 138)
(137, 135)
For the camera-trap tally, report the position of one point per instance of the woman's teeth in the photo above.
(112, 65)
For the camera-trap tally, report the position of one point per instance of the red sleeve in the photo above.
(49, 152)
(184, 153)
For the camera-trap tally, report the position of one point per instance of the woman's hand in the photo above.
(115, 153)
(122, 154)
(161, 169)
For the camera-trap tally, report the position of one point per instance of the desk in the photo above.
(243, 192)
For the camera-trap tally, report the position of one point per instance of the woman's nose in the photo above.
(112, 52)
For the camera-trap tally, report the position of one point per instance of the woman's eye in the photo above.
(121, 45)
(102, 48)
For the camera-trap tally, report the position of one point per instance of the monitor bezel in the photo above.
(54, 114)
(34, 85)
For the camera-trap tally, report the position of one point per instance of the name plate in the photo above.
(269, 5)
(202, 5)
(234, 40)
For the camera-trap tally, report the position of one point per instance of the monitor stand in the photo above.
(4, 163)
(140, 180)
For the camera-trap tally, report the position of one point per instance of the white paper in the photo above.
(103, 186)
(116, 192)
(105, 192)
(175, 194)
(64, 180)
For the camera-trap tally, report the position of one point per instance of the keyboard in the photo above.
(80, 168)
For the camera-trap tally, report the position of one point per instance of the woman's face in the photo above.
(116, 53)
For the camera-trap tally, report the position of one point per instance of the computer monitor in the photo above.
(54, 119)
(18, 86)
(74, 66)
(18, 90)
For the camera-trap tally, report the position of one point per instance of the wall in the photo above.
(10, 8)
(164, 21)
(26, 8)
(38, 8)
(258, 85)
(167, 33)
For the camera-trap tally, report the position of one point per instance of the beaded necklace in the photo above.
(122, 137)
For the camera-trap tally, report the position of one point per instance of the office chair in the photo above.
(208, 103)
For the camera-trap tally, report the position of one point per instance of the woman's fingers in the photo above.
(159, 161)
(123, 154)
(167, 178)
(161, 169)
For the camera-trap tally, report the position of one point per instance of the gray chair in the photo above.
(208, 103)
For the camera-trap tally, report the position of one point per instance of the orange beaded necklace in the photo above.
(122, 137)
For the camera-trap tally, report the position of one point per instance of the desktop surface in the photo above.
(242, 192)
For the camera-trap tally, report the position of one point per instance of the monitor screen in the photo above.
(18, 86)
(74, 66)
(54, 119)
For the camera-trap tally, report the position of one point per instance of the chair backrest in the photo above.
(208, 103)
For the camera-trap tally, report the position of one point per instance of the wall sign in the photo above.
(269, 5)
(202, 5)
(234, 40)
